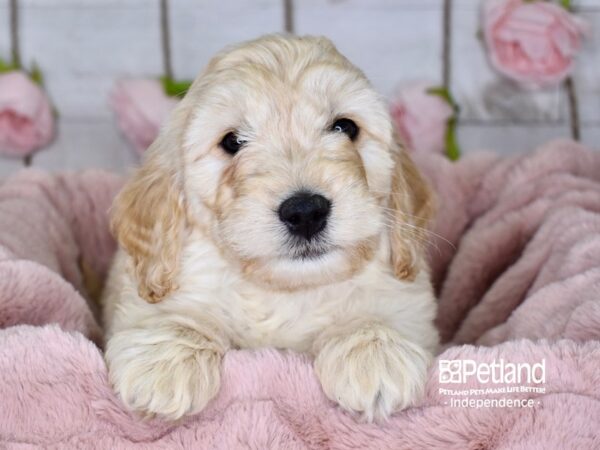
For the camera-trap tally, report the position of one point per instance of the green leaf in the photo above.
(441, 91)
(36, 74)
(452, 147)
(6, 66)
(566, 4)
(174, 88)
(445, 94)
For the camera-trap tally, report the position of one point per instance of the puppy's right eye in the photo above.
(347, 127)
(232, 143)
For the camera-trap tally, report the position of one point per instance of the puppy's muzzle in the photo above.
(305, 214)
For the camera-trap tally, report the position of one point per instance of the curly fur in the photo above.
(205, 264)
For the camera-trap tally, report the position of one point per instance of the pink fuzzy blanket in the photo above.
(515, 253)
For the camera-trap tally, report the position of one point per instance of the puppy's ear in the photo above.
(148, 217)
(412, 206)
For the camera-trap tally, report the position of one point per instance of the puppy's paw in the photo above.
(372, 371)
(167, 375)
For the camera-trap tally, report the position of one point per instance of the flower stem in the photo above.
(573, 109)
(165, 34)
(288, 16)
(14, 34)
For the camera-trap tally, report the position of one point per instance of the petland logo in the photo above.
(462, 370)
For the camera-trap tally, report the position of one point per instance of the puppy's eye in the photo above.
(232, 143)
(347, 127)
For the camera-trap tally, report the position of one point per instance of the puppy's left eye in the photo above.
(232, 143)
(347, 127)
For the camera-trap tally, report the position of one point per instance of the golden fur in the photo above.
(205, 264)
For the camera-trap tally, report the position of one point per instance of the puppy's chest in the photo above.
(259, 317)
(292, 320)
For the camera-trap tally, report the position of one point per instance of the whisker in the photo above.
(422, 241)
(395, 211)
(411, 231)
(432, 234)
(397, 222)
(417, 237)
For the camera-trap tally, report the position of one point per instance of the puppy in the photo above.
(275, 209)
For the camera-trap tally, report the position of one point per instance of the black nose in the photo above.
(305, 214)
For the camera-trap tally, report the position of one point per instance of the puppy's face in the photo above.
(287, 162)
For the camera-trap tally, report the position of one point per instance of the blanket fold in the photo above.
(272, 399)
(515, 257)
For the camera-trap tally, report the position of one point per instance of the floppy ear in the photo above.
(148, 218)
(412, 207)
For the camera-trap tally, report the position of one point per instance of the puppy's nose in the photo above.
(305, 214)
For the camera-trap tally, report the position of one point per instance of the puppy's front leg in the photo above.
(167, 368)
(369, 368)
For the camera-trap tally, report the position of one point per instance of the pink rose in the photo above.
(26, 119)
(141, 107)
(534, 43)
(421, 118)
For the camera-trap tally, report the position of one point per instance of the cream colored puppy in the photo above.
(274, 209)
